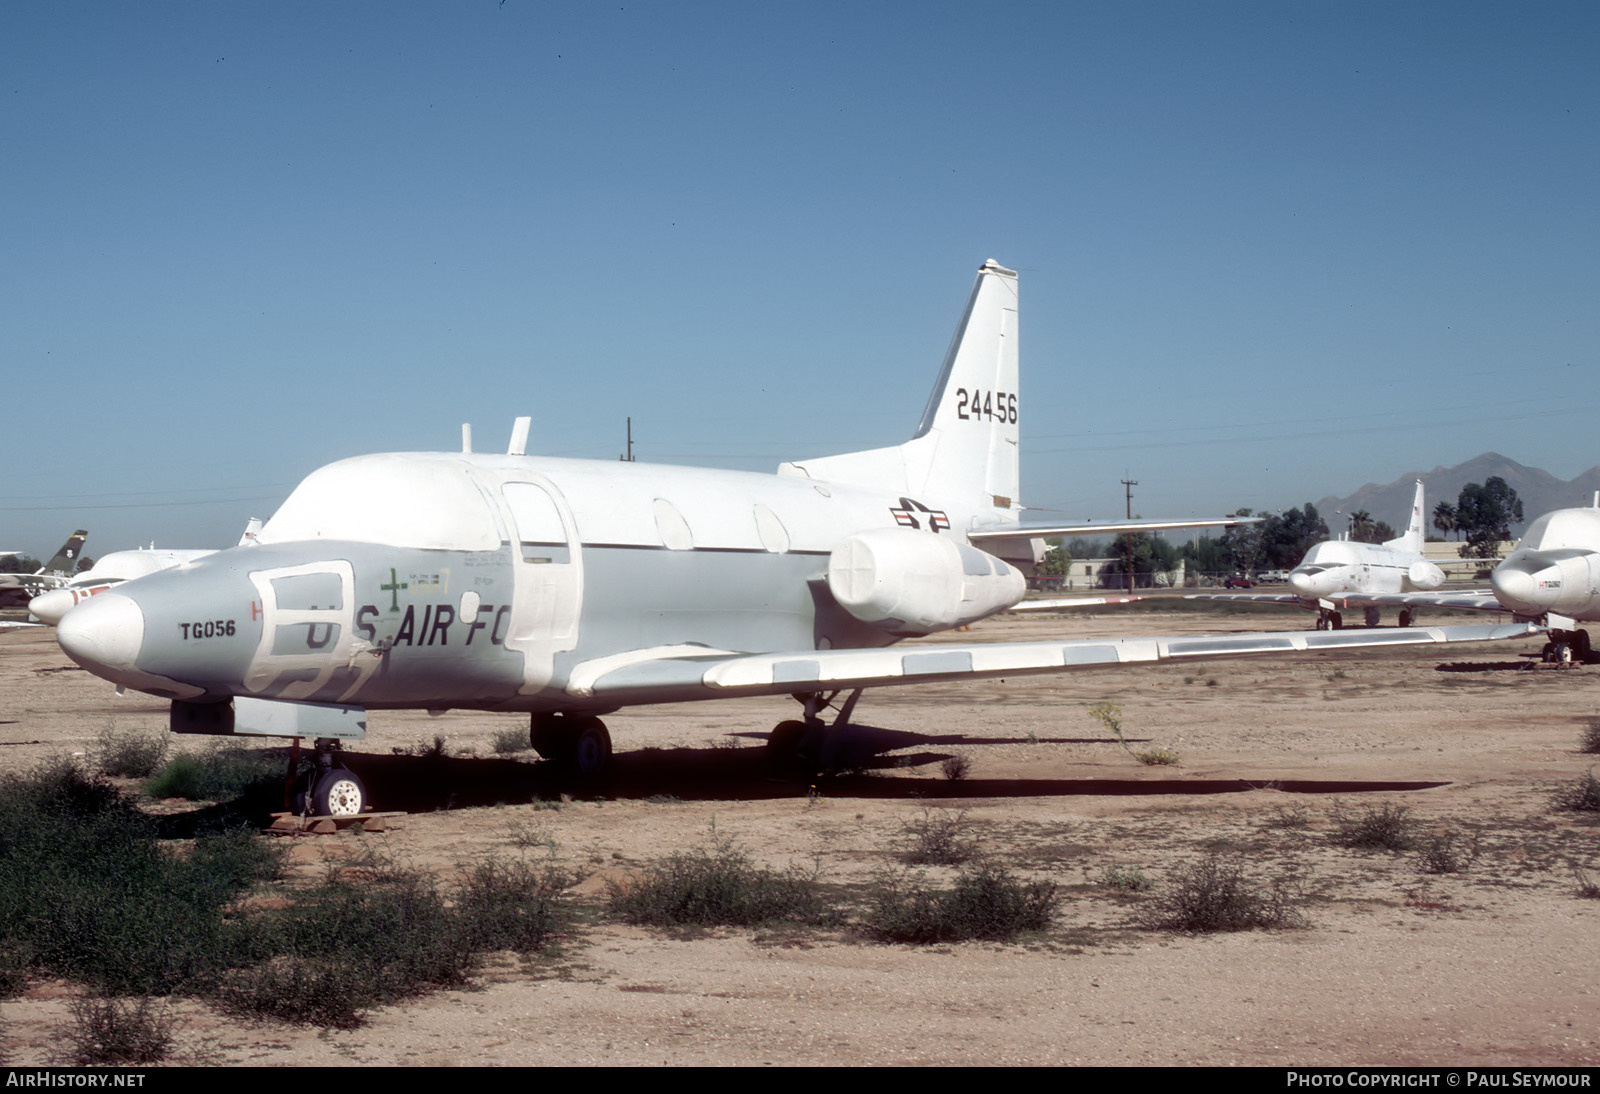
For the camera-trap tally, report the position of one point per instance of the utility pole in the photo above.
(1127, 490)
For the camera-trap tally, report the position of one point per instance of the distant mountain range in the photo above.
(1539, 490)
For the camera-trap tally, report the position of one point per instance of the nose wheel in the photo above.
(330, 789)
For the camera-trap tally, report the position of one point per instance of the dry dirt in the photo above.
(1496, 965)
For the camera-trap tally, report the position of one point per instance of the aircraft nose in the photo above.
(1516, 584)
(1303, 583)
(51, 606)
(104, 634)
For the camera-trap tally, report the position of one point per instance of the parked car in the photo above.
(1238, 582)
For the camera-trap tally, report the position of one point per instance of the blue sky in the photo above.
(1269, 251)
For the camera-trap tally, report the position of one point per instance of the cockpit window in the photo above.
(400, 500)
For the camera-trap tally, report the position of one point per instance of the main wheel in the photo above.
(786, 748)
(1373, 617)
(1336, 620)
(339, 793)
(1406, 617)
(591, 748)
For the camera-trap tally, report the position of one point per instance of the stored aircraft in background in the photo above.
(119, 566)
(1338, 574)
(569, 589)
(1551, 578)
(17, 589)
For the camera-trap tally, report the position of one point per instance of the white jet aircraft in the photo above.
(18, 589)
(1551, 578)
(119, 566)
(569, 589)
(1338, 574)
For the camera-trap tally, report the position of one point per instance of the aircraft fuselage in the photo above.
(491, 582)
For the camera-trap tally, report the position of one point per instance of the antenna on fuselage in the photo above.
(519, 437)
(466, 438)
(628, 457)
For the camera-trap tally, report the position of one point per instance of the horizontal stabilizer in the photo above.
(1098, 528)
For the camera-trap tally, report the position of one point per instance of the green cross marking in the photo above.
(393, 589)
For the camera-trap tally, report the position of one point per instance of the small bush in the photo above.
(936, 839)
(1447, 853)
(1158, 757)
(1215, 895)
(716, 886)
(985, 902)
(1588, 889)
(1379, 828)
(510, 905)
(956, 768)
(1589, 736)
(1582, 796)
(1288, 816)
(349, 945)
(1125, 881)
(218, 774)
(131, 755)
(508, 741)
(111, 1032)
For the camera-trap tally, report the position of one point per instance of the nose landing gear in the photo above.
(330, 789)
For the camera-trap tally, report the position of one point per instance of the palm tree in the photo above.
(1361, 526)
(1444, 517)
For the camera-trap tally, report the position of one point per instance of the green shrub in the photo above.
(510, 905)
(92, 894)
(984, 902)
(1125, 881)
(716, 886)
(1158, 757)
(1215, 895)
(515, 739)
(936, 839)
(1447, 853)
(131, 755)
(219, 774)
(113, 1032)
(1589, 737)
(1582, 796)
(1379, 828)
(956, 768)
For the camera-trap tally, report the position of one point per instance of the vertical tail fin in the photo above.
(66, 559)
(1413, 538)
(964, 452)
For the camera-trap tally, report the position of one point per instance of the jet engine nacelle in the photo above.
(912, 583)
(1424, 575)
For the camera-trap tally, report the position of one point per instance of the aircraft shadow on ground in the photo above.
(423, 784)
(1486, 666)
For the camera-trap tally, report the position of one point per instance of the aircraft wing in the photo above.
(1057, 602)
(686, 673)
(1482, 600)
(1097, 528)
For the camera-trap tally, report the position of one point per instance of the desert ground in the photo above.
(1495, 965)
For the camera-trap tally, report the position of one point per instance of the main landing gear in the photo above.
(1329, 620)
(579, 742)
(803, 747)
(1567, 647)
(330, 789)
